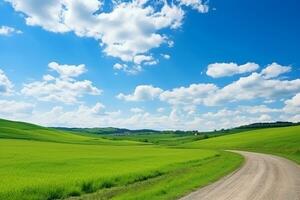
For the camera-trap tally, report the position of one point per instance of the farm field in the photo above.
(283, 141)
(43, 163)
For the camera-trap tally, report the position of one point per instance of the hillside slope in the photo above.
(44, 163)
(27, 131)
(280, 141)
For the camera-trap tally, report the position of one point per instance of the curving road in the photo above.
(262, 177)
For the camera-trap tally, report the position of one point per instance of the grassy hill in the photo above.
(280, 141)
(26, 131)
(45, 163)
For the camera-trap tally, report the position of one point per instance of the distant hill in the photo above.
(26, 131)
(108, 130)
(124, 131)
(269, 125)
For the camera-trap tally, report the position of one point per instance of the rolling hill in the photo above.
(284, 141)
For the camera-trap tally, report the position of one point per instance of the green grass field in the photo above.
(43, 163)
(280, 141)
(46, 163)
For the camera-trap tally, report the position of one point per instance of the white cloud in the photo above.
(178, 118)
(274, 70)
(7, 31)
(119, 66)
(292, 105)
(252, 87)
(192, 95)
(139, 59)
(130, 29)
(195, 4)
(82, 116)
(66, 71)
(142, 93)
(46, 14)
(63, 88)
(258, 109)
(13, 107)
(166, 56)
(6, 87)
(129, 70)
(136, 110)
(217, 70)
(265, 118)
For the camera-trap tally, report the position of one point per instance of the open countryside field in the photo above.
(279, 141)
(42, 163)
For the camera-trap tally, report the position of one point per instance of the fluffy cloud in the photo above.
(82, 116)
(6, 87)
(195, 4)
(63, 88)
(274, 70)
(15, 110)
(142, 93)
(292, 105)
(139, 59)
(6, 31)
(254, 86)
(258, 109)
(217, 70)
(11, 107)
(128, 31)
(66, 71)
(192, 95)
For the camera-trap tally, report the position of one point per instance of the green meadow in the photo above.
(44, 163)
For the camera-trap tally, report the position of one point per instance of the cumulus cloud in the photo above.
(6, 86)
(258, 109)
(128, 31)
(129, 70)
(217, 70)
(11, 107)
(139, 59)
(63, 88)
(15, 110)
(195, 4)
(142, 93)
(254, 86)
(191, 95)
(82, 116)
(274, 70)
(66, 71)
(292, 105)
(7, 31)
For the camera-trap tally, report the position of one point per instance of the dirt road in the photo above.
(262, 177)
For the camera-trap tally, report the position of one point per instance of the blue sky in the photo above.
(184, 64)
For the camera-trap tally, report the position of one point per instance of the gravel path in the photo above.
(262, 177)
